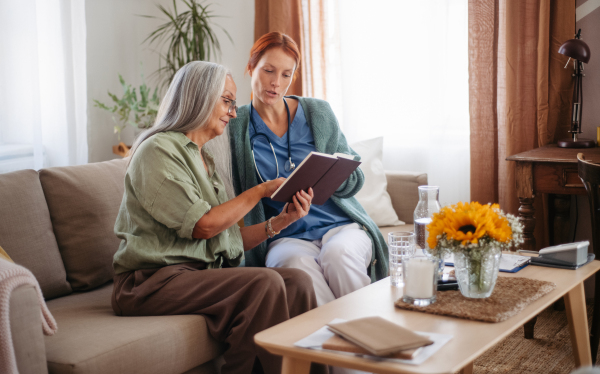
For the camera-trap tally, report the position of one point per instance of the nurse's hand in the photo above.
(271, 186)
(299, 207)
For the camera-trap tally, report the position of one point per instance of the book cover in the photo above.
(337, 343)
(330, 182)
(378, 335)
(323, 172)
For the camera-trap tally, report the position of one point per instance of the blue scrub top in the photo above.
(320, 218)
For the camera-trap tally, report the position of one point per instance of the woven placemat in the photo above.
(510, 296)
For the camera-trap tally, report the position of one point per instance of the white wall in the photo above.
(114, 46)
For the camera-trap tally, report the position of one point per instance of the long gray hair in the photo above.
(189, 101)
(188, 105)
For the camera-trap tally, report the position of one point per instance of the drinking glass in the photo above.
(401, 245)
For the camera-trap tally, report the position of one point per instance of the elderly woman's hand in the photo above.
(298, 208)
(269, 187)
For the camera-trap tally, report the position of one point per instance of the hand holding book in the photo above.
(291, 212)
(299, 207)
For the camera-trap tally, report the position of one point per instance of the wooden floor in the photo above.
(549, 353)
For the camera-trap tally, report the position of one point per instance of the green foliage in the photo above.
(189, 36)
(139, 112)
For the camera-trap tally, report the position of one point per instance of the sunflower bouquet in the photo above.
(473, 227)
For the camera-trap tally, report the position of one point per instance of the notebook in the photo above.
(337, 343)
(324, 173)
(379, 336)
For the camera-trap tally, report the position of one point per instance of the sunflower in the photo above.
(468, 223)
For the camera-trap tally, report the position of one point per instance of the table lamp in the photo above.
(577, 50)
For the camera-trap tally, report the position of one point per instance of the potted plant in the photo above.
(189, 36)
(138, 111)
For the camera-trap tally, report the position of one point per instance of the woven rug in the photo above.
(550, 352)
(510, 296)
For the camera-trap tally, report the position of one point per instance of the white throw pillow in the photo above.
(374, 196)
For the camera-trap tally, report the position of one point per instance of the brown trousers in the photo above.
(236, 302)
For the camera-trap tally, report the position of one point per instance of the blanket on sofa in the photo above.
(11, 277)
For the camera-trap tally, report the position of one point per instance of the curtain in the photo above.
(286, 17)
(43, 94)
(519, 93)
(321, 55)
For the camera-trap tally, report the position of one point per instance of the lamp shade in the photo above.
(577, 49)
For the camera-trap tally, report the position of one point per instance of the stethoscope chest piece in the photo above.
(289, 165)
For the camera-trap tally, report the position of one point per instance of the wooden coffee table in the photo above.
(470, 338)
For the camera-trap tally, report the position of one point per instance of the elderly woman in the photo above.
(180, 243)
(337, 243)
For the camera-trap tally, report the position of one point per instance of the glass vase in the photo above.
(477, 271)
(429, 204)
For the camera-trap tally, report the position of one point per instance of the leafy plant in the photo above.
(189, 36)
(131, 110)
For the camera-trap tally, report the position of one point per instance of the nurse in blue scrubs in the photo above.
(337, 243)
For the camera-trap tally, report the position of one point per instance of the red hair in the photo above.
(271, 40)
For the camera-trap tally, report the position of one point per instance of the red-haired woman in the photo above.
(337, 243)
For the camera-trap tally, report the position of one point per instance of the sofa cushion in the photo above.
(84, 201)
(92, 339)
(403, 189)
(26, 231)
(373, 196)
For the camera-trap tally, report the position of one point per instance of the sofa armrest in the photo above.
(402, 187)
(26, 330)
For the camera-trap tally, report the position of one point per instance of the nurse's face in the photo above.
(272, 76)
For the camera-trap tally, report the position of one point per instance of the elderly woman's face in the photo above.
(272, 76)
(222, 113)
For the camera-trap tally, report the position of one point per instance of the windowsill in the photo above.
(14, 151)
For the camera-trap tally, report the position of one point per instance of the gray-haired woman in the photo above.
(181, 245)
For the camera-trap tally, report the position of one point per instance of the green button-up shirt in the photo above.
(167, 190)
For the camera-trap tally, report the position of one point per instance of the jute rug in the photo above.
(548, 353)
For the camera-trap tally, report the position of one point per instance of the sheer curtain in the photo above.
(404, 76)
(43, 100)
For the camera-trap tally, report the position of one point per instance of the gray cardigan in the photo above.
(328, 139)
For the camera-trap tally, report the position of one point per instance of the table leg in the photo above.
(524, 179)
(526, 212)
(578, 326)
(529, 328)
(467, 369)
(295, 366)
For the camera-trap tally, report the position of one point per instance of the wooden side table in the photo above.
(551, 170)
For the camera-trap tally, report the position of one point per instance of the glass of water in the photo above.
(401, 245)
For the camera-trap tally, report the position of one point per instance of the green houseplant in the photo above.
(189, 36)
(138, 111)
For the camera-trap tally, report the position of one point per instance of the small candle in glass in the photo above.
(420, 280)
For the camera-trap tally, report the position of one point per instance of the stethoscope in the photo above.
(289, 165)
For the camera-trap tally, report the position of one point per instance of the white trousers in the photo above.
(337, 263)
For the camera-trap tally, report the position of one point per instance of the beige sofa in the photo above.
(58, 223)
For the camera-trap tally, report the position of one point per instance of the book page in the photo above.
(343, 155)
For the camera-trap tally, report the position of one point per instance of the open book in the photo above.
(324, 173)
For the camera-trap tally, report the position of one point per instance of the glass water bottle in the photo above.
(428, 204)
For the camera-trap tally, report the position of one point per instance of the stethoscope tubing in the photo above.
(257, 134)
